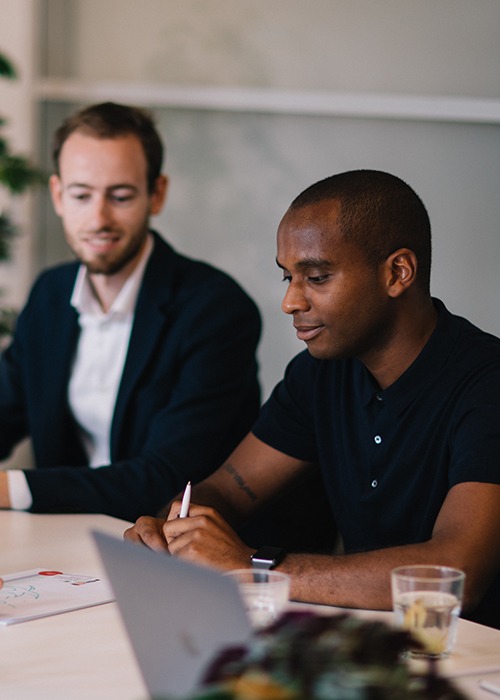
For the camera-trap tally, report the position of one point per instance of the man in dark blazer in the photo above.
(132, 370)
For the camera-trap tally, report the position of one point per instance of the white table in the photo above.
(77, 655)
(86, 654)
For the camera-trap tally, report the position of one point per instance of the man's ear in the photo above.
(401, 269)
(159, 194)
(55, 188)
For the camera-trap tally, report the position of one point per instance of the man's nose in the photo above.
(294, 299)
(101, 214)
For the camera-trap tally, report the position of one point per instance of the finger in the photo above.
(186, 549)
(148, 531)
(175, 527)
(174, 511)
(131, 535)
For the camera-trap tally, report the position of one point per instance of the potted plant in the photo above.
(16, 176)
(305, 656)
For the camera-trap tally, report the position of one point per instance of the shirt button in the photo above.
(377, 439)
(374, 484)
(378, 397)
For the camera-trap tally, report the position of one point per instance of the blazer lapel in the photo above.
(151, 317)
(61, 342)
(59, 336)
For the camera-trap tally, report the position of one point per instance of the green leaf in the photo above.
(17, 174)
(6, 68)
(8, 319)
(7, 230)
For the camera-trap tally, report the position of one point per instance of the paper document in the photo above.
(28, 595)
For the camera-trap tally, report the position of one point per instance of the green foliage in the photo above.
(8, 319)
(17, 174)
(6, 68)
(311, 657)
(7, 230)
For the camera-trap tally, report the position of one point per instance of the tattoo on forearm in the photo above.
(240, 481)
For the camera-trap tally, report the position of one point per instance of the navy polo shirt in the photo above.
(388, 458)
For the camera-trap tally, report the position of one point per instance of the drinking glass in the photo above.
(427, 601)
(264, 593)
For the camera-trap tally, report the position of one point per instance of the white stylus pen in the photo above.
(493, 688)
(186, 500)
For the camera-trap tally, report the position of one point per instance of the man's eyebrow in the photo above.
(306, 263)
(123, 186)
(111, 188)
(79, 184)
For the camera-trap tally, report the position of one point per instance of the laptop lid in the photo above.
(177, 615)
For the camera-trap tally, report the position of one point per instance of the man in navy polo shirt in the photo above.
(396, 400)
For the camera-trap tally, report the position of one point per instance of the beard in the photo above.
(110, 266)
(110, 263)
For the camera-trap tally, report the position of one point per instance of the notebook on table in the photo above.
(177, 615)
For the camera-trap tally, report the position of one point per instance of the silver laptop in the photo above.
(177, 616)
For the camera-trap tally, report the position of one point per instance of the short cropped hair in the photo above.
(108, 120)
(379, 213)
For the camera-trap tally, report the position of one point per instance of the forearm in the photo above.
(352, 580)
(210, 492)
(250, 477)
(362, 580)
(459, 540)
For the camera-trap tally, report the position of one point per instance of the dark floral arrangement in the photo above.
(304, 656)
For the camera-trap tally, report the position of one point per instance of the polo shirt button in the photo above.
(377, 439)
(378, 397)
(374, 484)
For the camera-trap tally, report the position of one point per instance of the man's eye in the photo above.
(319, 279)
(121, 198)
(80, 195)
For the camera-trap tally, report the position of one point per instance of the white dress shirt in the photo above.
(97, 369)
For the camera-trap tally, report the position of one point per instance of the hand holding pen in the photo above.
(200, 535)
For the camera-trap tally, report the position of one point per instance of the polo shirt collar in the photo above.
(424, 369)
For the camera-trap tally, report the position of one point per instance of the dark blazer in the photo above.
(188, 394)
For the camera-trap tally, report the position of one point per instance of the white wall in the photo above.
(234, 172)
(403, 46)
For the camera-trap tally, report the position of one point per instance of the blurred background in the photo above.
(257, 99)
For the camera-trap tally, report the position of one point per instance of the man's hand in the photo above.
(205, 538)
(148, 531)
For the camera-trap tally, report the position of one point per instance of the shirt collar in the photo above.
(424, 369)
(83, 298)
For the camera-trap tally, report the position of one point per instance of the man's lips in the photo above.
(101, 242)
(307, 332)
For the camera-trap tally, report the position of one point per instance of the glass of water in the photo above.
(264, 592)
(427, 601)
